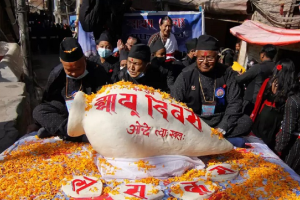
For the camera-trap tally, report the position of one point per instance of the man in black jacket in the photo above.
(210, 89)
(140, 71)
(99, 15)
(158, 60)
(73, 75)
(256, 75)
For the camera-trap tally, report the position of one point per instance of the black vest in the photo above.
(193, 95)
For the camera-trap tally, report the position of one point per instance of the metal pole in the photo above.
(78, 2)
(203, 21)
(21, 11)
(67, 13)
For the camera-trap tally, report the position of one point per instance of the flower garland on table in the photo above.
(38, 170)
(264, 180)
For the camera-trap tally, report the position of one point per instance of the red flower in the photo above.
(224, 86)
(279, 67)
(110, 71)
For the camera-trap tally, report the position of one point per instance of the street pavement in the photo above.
(15, 114)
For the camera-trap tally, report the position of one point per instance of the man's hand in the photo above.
(120, 45)
(240, 72)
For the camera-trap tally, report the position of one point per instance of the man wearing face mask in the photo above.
(158, 60)
(210, 89)
(140, 71)
(105, 50)
(72, 75)
(191, 52)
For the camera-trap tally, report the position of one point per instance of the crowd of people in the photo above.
(262, 101)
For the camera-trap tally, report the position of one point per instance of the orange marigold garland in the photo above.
(38, 170)
(177, 190)
(109, 168)
(128, 85)
(217, 133)
(149, 180)
(144, 165)
(264, 179)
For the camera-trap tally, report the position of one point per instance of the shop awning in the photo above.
(257, 33)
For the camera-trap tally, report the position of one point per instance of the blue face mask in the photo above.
(139, 76)
(79, 77)
(104, 53)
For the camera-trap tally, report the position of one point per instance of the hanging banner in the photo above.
(186, 25)
(87, 42)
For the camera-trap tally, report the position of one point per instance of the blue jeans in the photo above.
(237, 142)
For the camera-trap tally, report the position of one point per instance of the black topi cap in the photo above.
(156, 45)
(207, 42)
(70, 50)
(105, 36)
(123, 55)
(140, 51)
(191, 44)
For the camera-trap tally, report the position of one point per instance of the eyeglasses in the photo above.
(208, 59)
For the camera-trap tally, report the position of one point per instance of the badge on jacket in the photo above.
(208, 109)
(220, 94)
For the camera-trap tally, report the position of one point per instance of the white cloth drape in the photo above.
(165, 167)
(171, 46)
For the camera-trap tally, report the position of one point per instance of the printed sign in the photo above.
(83, 187)
(221, 172)
(194, 190)
(136, 190)
(186, 25)
(142, 122)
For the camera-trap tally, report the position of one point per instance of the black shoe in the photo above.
(42, 133)
(80, 139)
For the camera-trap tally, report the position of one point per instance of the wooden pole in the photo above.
(21, 12)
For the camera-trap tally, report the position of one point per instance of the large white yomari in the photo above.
(134, 121)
